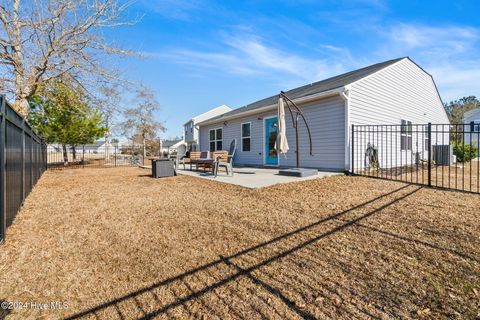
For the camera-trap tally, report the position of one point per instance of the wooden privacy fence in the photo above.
(23, 159)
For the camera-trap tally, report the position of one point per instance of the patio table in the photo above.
(198, 161)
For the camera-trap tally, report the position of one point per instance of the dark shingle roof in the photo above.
(313, 88)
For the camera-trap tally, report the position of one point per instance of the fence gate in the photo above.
(437, 155)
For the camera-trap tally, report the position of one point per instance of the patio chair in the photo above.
(220, 161)
(181, 156)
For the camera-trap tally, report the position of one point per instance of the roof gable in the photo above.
(313, 88)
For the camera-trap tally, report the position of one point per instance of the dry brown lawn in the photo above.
(463, 177)
(116, 244)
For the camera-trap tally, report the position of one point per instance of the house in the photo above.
(169, 146)
(191, 129)
(472, 127)
(396, 92)
(98, 147)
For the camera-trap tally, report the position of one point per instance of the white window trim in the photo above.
(216, 140)
(406, 134)
(242, 137)
(476, 125)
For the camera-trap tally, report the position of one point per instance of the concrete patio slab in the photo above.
(253, 177)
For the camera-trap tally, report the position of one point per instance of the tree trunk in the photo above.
(21, 106)
(74, 152)
(65, 155)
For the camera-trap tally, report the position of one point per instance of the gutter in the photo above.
(313, 97)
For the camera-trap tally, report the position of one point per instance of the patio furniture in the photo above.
(181, 156)
(227, 162)
(163, 168)
(194, 155)
(203, 161)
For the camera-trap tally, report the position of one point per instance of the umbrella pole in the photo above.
(297, 154)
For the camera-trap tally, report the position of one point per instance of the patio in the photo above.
(251, 177)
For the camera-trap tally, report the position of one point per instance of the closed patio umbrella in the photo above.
(282, 143)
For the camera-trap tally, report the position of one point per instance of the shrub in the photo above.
(465, 152)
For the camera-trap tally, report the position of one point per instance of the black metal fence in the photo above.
(23, 159)
(437, 155)
(101, 154)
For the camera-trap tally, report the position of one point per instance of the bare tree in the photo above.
(43, 39)
(108, 101)
(139, 119)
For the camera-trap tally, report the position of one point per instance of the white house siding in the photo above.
(191, 129)
(188, 132)
(472, 136)
(400, 91)
(326, 119)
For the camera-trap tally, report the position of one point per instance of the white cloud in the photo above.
(249, 55)
(456, 79)
(452, 39)
(450, 53)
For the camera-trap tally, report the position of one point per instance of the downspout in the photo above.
(196, 129)
(345, 95)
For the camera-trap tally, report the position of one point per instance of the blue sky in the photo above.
(201, 54)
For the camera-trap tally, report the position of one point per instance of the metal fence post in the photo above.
(3, 194)
(115, 156)
(352, 142)
(23, 158)
(429, 164)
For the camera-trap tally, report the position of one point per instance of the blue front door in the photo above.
(271, 130)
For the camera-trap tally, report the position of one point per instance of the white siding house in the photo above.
(190, 128)
(385, 93)
(472, 132)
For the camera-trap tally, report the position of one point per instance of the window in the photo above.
(216, 139)
(406, 135)
(246, 136)
(475, 126)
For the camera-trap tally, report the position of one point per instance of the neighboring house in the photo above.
(472, 132)
(169, 146)
(392, 92)
(190, 127)
(99, 147)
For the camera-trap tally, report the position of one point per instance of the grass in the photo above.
(461, 176)
(114, 243)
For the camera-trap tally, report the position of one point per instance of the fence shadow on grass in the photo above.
(187, 292)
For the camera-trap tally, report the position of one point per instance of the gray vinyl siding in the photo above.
(326, 119)
(400, 91)
(189, 132)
